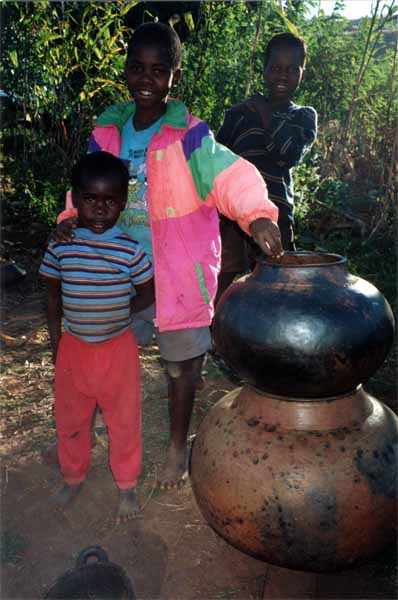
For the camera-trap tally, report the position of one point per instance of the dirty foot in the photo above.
(175, 472)
(66, 496)
(129, 505)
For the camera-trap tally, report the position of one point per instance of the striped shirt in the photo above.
(274, 151)
(98, 275)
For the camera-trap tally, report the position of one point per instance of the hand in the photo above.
(262, 107)
(267, 235)
(64, 231)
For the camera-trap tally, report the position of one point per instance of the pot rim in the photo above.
(297, 259)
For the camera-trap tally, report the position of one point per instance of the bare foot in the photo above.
(66, 496)
(129, 505)
(175, 471)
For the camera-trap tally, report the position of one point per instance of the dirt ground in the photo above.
(170, 552)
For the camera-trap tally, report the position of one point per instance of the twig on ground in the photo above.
(151, 492)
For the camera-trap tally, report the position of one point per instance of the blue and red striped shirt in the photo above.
(98, 275)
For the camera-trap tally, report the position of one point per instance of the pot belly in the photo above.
(278, 480)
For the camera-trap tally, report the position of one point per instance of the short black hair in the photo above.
(161, 35)
(286, 39)
(99, 165)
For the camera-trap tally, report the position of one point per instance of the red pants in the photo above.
(108, 374)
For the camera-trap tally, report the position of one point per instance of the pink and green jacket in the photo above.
(190, 176)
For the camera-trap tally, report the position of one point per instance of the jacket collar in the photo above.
(118, 114)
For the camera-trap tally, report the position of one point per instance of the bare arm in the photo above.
(54, 313)
(145, 296)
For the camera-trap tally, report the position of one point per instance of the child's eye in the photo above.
(133, 68)
(110, 202)
(88, 200)
(274, 68)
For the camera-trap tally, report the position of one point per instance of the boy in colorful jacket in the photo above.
(179, 179)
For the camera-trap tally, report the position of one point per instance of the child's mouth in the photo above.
(143, 94)
(99, 226)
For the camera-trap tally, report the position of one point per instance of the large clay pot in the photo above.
(303, 326)
(304, 485)
(305, 479)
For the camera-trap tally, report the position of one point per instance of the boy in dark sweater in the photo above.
(274, 134)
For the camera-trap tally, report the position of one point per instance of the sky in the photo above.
(354, 9)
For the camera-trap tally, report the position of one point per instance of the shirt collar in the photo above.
(175, 115)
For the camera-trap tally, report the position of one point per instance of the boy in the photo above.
(179, 177)
(274, 134)
(95, 281)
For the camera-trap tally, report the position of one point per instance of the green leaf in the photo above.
(189, 21)
(126, 7)
(114, 84)
(50, 37)
(13, 57)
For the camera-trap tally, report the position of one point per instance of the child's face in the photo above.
(99, 204)
(150, 77)
(283, 73)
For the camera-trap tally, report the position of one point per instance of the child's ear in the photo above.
(176, 76)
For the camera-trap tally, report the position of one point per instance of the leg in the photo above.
(233, 254)
(183, 377)
(73, 415)
(49, 454)
(224, 281)
(120, 401)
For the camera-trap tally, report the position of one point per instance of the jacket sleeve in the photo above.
(231, 184)
(287, 141)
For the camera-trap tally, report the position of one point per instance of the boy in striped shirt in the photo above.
(274, 134)
(94, 282)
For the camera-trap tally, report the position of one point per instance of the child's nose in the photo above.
(146, 75)
(100, 207)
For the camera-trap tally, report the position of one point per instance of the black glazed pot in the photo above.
(97, 580)
(302, 326)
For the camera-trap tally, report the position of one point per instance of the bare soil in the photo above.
(170, 552)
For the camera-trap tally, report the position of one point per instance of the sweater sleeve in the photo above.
(230, 128)
(288, 140)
